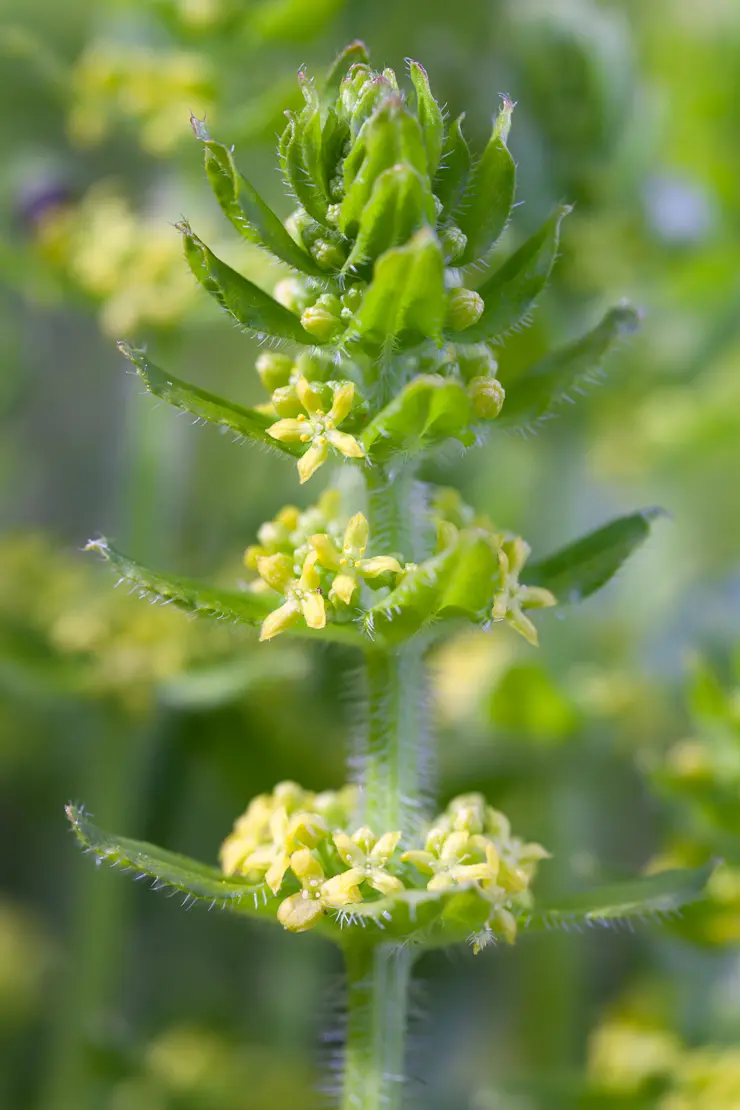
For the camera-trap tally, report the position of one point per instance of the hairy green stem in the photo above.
(379, 978)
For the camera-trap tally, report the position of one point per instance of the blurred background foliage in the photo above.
(617, 745)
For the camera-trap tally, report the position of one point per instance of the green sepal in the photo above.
(430, 116)
(168, 870)
(244, 207)
(406, 300)
(351, 55)
(640, 899)
(243, 606)
(295, 171)
(489, 195)
(454, 169)
(427, 411)
(390, 137)
(536, 393)
(580, 569)
(399, 205)
(510, 293)
(207, 406)
(249, 305)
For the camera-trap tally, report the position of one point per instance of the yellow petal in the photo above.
(343, 587)
(306, 868)
(314, 612)
(343, 890)
(443, 881)
(276, 874)
(326, 551)
(305, 829)
(347, 444)
(379, 564)
(310, 579)
(308, 397)
(350, 852)
(280, 619)
(385, 883)
(275, 570)
(423, 860)
(298, 913)
(523, 625)
(504, 922)
(535, 597)
(356, 533)
(512, 879)
(315, 457)
(518, 551)
(456, 845)
(287, 430)
(500, 605)
(386, 846)
(342, 403)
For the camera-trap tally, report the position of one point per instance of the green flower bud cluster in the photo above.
(306, 850)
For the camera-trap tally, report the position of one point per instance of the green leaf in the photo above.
(399, 205)
(637, 898)
(207, 406)
(414, 602)
(454, 170)
(351, 55)
(406, 301)
(296, 172)
(243, 606)
(469, 590)
(536, 393)
(580, 569)
(245, 208)
(427, 411)
(249, 305)
(510, 293)
(430, 116)
(197, 881)
(489, 195)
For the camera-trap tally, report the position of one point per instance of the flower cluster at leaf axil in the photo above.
(309, 851)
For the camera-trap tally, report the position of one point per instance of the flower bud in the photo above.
(464, 308)
(328, 255)
(286, 403)
(313, 366)
(476, 360)
(274, 369)
(453, 241)
(293, 293)
(352, 298)
(322, 319)
(487, 396)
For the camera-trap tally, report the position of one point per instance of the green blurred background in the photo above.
(617, 745)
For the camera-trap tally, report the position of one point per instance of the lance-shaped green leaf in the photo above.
(245, 208)
(399, 205)
(295, 171)
(390, 137)
(427, 411)
(640, 899)
(510, 293)
(351, 55)
(244, 606)
(454, 170)
(168, 870)
(469, 589)
(309, 131)
(249, 305)
(489, 195)
(536, 393)
(583, 567)
(406, 300)
(430, 116)
(206, 406)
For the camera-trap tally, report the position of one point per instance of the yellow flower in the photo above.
(303, 910)
(318, 428)
(456, 858)
(302, 595)
(350, 562)
(368, 855)
(511, 598)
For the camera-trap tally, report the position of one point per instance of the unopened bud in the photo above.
(286, 403)
(475, 360)
(322, 319)
(274, 369)
(313, 366)
(487, 396)
(352, 299)
(328, 255)
(293, 293)
(464, 308)
(453, 241)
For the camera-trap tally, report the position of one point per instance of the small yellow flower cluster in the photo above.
(318, 428)
(299, 844)
(471, 842)
(158, 89)
(301, 554)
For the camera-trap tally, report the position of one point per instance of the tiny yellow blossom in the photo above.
(511, 597)
(350, 562)
(457, 858)
(302, 911)
(302, 595)
(318, 428)
(368, 855)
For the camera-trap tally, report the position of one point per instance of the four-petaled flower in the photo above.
(289, 833)
(349, 563)
(456, 858)
(318, 428)
(367, 857)
(302, 595)
(301, 911)
(511, 598)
